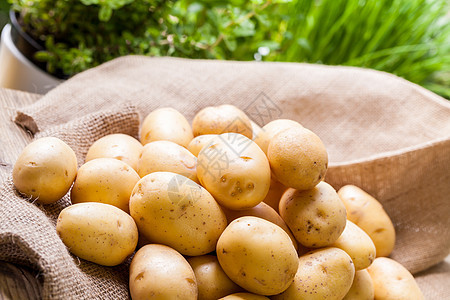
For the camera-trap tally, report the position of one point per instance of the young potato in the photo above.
(97, 232)
(255, 130)
(298, 158)
(357, 244)
(173, 210)
(258, 255)
(197, 144)
(362, 287)
(393, 281)
(276, 190)
(322, 274)
(262, 211)
(244, 296)
(119, 146)
(234, 170)
(316, 217)
(366, 212)
(212, 281)
(166, 156)
(166, 124)
(105, 180)
(221, 119)
(45, 170)
(160, 272)
(266, 134)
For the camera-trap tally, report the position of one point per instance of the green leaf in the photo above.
(105, 13)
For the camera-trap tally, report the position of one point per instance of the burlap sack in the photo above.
(384, 134)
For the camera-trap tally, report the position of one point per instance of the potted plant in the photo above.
(64, 37)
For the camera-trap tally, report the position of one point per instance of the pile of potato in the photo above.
(220, 210)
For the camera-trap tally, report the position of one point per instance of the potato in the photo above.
(212, 281)
(366, 212)
(119, 146)
(357, 244)
(316, 217)
(243, 296)
(221, 119)
(276, 190)
(166, 156)
(322, 274)
(197, 144)
(258, 255)
(362, 287)
(173, 210)
(166, 124)
(234, 170)
(266, 134)
(256, 130)
(262, 211)
(105, 180)
(97, 232)
(393, 281)
(45, 170)
(160, 272)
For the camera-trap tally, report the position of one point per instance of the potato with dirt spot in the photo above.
(298, 158)
(197, 144)
(173, 210)
(97, 232)
(392, 281)
(234, 170)
(166, 156)
(257, 255)
(244, 296)
(362, 287)
(212, 281)
(45, 170)
(266, 134)
(119, 146)
(221, 119)
(316, 217)
(105, 180)
(366, 212)
(357, 244)
(160, 272)
(323, 274)
(166, 124)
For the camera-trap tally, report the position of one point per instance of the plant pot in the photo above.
(18, 70)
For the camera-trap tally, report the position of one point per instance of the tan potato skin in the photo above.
(322, 274)
(258, 255)
(262, 211)
(393, 281)
(244, 296)
(197, 144)
(166, 124)
(358, 245)
(173, 210)
(221, 119)
(45, 170)
(256, 129)
(298, 158)
(235, 171)
(362, 287)
(366, 212)
(316, 217)
(105, 180)
(276, 190)
(166, 156)
(266, 134)
(119, 146)
(97, 232)
(212, 281)
(160, 272)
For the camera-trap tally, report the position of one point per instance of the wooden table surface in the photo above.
(20, 282)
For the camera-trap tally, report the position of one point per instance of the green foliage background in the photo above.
(410, 38)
